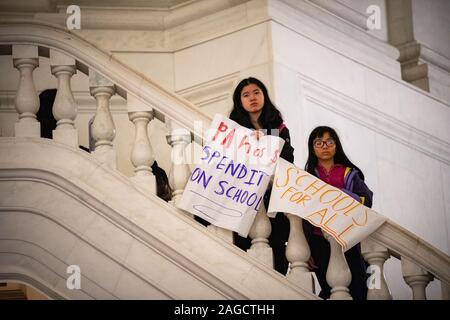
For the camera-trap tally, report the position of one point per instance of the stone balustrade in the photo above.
(141, 111)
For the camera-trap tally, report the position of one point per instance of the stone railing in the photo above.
(420, 261)
(146, 100)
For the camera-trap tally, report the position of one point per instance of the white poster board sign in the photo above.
(227, 187)
(298, 192)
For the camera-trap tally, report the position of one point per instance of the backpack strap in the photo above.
(348, 178)
(347, 171)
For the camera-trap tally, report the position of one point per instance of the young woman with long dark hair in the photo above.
(328, 161)
(252, 108)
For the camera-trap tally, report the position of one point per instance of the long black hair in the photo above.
(339, 157)
(270, 117)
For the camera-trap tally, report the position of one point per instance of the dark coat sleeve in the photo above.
(287, 153)
(361, 189)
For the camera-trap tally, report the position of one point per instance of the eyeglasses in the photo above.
(320, 143)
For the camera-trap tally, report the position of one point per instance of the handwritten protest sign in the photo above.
(298, 192)
(227, 187)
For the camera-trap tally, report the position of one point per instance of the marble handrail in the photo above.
(403, 244)
(46, 35)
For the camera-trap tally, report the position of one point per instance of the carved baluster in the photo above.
(416, 278)
(103, 129)
(338, 276)
(376, 255)
(259, 233)
(26, 59)
(298, 253)
(64, 107)
(142, 156)
(178, 138)
(445, 289)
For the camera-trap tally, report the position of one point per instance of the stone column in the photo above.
(401, 35)
(445, 289)
(417, 278)
(338, 276)
(259, 233)
(103, 129)
(142, 155)
(26, 59)
(298, 253)
(178, 138)
(64, 107)
(376, 255)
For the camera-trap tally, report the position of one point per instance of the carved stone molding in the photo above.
(376, 120)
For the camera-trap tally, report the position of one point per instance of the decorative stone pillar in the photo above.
(64, 107)
(338, 276)
(259, 233)
(142, 153)
(103, 129)
(445, 289)
(376, 255)
(417, 278)
(412, 71)
(178, 138)
(298, 253)
(26, 59)
(400, 27)
(142, 156)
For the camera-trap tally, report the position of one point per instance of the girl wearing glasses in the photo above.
(252, 108)
(328, 162)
